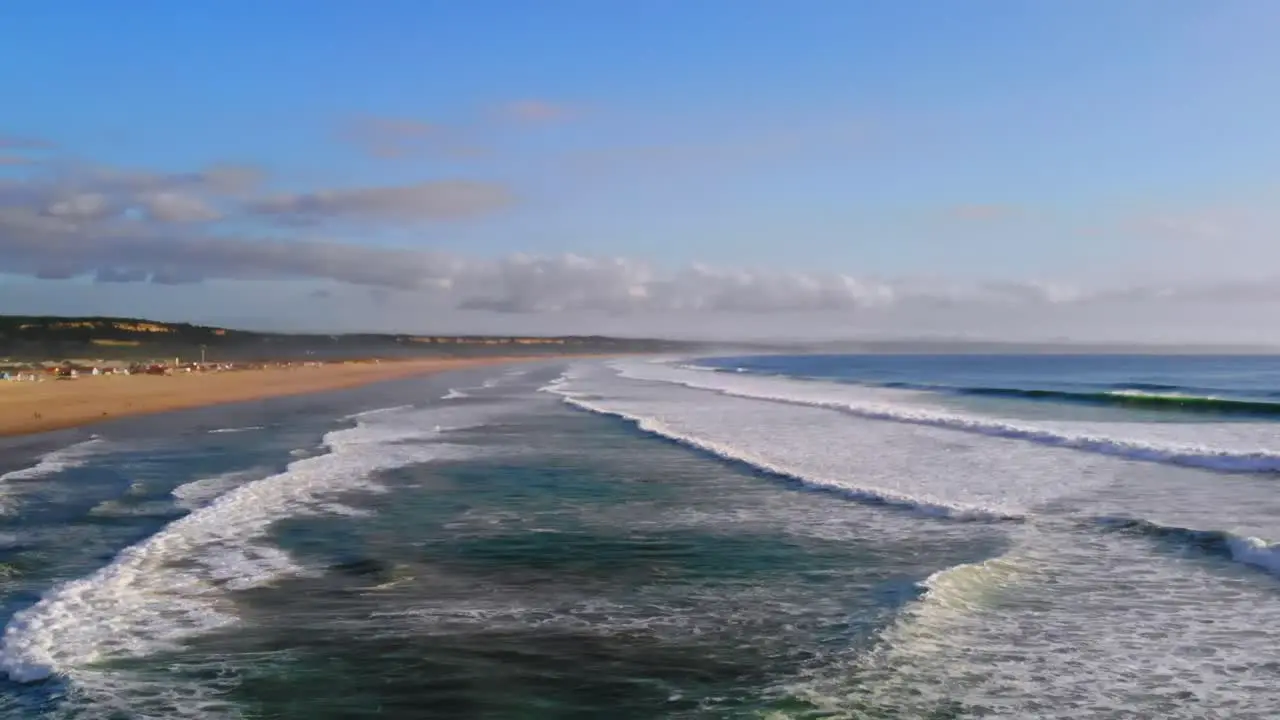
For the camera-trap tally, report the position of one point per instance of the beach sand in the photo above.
(31, 407)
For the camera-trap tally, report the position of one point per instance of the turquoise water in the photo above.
(635, 540)
(1152, 388)
(1237, 377)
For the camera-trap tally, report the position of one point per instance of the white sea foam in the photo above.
(249, 428)
(556, 383)
(341, 510)
(1256, 552)
(940, 470)
(202, 491)
(964, 587)
(1077, 618)
(48, 465)
(1247, 550)
(931, 470)
(58, 460)
(728, 452)
(172, 585)
(377, 411)
(1074, 625)
(117, 508)
(1233, 447)
(454, 394)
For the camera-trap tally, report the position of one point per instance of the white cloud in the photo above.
(435, 200)
(178, 207)
(125, 228)
(128, 228)
(80, 206)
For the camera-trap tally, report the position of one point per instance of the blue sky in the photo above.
(1111, 147)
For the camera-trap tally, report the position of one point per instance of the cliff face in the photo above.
(30, 337)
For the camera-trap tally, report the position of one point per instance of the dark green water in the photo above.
(505, 556)
(589, 572)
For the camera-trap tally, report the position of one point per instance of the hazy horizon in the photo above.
(703, 345)
(1088, 172)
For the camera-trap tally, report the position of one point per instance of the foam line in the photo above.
(1244, 549)
(864, 494)
(1203, 457)
(202, 491)
(58, 460)
(49, 464)
(377, 411)
(172, 584)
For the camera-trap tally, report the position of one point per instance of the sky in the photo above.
(982, 169)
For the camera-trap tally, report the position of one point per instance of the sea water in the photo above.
(800, 537)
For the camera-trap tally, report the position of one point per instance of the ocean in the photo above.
(753, 537)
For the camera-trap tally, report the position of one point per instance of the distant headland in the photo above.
(45, 338)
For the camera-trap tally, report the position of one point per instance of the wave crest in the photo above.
(1244, 549)
(1145, 398)
(880, 496)
(1206, 458)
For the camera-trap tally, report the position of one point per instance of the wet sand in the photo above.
(31, 407)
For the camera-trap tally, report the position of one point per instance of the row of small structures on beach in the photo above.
(72, 369)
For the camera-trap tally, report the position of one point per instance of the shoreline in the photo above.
(29, 408)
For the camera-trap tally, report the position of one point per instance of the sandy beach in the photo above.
(31, 407)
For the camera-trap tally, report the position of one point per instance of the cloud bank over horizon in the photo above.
(226, 223)
(852, 190)
(117, 226)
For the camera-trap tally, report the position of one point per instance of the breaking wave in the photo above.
(377, 411)
(49, 464)
(1171, 399)
(203, 491)
(1244, 549)
(1131, 395)
(1186, 455)
(173, 584)
(957, 511)
(58, 460)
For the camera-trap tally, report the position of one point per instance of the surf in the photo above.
(1171, 400)
(887, 406)
(173, 584)
(868, 494)
(933, 476)
(221, 431)
(929, 471)
(48, 465)
(56, 461)
(1246, 550)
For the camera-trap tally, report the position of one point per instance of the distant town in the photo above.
(38, 347)
(74, 369)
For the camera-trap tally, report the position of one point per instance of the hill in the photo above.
(55, 338)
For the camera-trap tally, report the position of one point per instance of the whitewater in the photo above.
(644, 538)
(1142, 559)
(174, 584)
